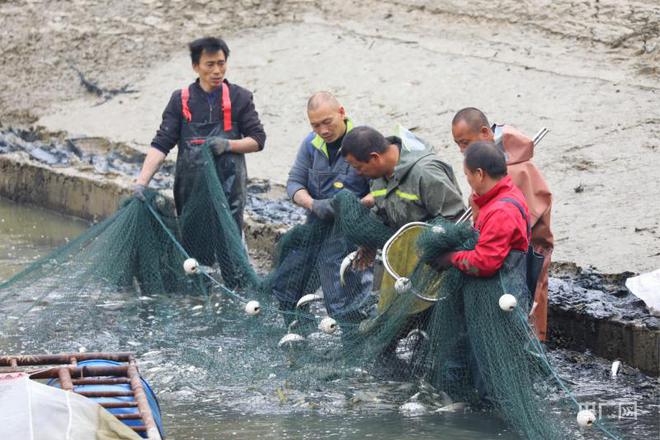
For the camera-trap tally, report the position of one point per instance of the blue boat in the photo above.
(110, 379)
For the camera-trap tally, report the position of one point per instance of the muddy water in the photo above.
(314, 426)
(244, 403)
(29, 232)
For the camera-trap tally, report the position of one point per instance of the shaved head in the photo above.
(470, 125)
(473, 117)
(320, 99)
(326, 116)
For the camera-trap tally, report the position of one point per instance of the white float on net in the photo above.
(585, 418)
(507, 302)
(328, 325)
(253, 308)
(190, 266)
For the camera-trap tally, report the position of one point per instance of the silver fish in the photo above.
(412, 409)
(309, 298)
(346, 262)
(453, 407)
(290, 339)
(293, 325)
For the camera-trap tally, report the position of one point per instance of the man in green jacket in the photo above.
(409, 183)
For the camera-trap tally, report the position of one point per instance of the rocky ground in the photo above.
(588, 70)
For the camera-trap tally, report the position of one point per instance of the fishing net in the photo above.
(185, 287)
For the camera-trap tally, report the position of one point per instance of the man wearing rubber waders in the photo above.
(409, 183)
(209, 113)
(471, 125)
(502, 221)
(317, 175)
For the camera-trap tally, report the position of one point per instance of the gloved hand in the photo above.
(368, 201)
(323, 209)
(218, 145)
(138, 191)
(443, 262)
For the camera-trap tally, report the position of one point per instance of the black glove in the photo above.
(138, 191)
(443, 262)
(323, 209)
(218, 145)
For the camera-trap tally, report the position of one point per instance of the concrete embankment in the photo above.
(90, 196)
(596, 312)
(66, 190)
(588, 310)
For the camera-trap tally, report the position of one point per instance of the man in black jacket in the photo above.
(209, 111)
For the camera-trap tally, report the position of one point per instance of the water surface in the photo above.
(215, 382)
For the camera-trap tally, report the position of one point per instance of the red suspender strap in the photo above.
(185, 110)
(226, 106)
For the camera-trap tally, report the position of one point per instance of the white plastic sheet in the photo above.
(409, 141)
(33, 411)
(647, 288)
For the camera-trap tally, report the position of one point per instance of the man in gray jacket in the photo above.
(320, 172)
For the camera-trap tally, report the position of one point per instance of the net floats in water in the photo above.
(191, 266)
(253, 308)
(585, 418)
(328, 325)
(507, 302)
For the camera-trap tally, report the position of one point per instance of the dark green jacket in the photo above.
(421, 188)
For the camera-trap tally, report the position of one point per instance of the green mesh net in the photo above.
(123, 285)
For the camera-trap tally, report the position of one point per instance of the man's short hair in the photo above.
(208, 45)
(361, 141)
(488, 157)
(320, 98)
(473, 117)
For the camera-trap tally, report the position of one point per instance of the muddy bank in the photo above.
(595, 312)
(49, 42)
(585, 70)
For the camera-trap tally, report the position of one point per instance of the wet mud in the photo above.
(602, 296)
(266, 204)
(592, 311)
(269, 204)
(587, 70)
(95, 155)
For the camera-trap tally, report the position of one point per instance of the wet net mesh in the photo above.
(300, 330)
